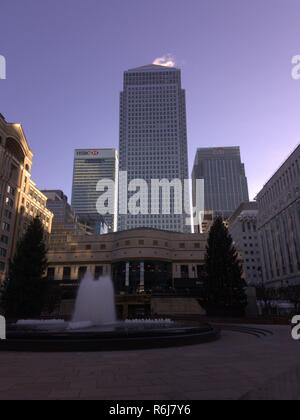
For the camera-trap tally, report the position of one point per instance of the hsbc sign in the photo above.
(95, 154)
(87, 153)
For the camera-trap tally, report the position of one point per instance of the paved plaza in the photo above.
(238, 366)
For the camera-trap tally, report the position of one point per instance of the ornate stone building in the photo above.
(20, 199)
(279, 224)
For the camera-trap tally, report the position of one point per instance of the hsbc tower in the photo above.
(90, 167)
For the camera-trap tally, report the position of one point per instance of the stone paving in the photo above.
(231, 368)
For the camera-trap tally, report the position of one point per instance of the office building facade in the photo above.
(65, 219)
(57, 203)
(153, 142)
(225, 182)
(90, 167)
(279, 225)
(243, 229)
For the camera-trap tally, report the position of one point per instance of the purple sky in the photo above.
(65, 60)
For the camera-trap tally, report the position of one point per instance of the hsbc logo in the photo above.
(86, 153)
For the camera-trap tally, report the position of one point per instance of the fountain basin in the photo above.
(117, 337)
(94, 327)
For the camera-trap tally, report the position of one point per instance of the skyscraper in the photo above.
(90, 167)
(153, 139)
(225, 182)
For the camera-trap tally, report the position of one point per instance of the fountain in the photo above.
(95, 302)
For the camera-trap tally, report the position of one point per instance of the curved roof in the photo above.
(16, 139)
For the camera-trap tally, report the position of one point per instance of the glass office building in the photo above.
(90, 167)
(225, 182)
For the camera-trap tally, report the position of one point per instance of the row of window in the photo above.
(248, 226)
(250, 245)
(140, 120)
(150, 89)
(251, 253)
(98, 272)
(160, 138)
(35, 197)
(176, 227)
(35, 212)
(151, 78)
(290, 175)
(141, 242)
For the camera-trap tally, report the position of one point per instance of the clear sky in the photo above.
(65, 60)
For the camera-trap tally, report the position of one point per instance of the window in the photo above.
(81, 272)
(5, 227)
(3, 252)
(8, 214)
(4, 239)
(184, 271)
(200, 271)
(9, 202)
(51, 273)
(14, 172)
(67, 273)
(98, 272)
(12, 191)
(2, 266)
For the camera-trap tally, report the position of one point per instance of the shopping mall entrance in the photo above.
(135, 277)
